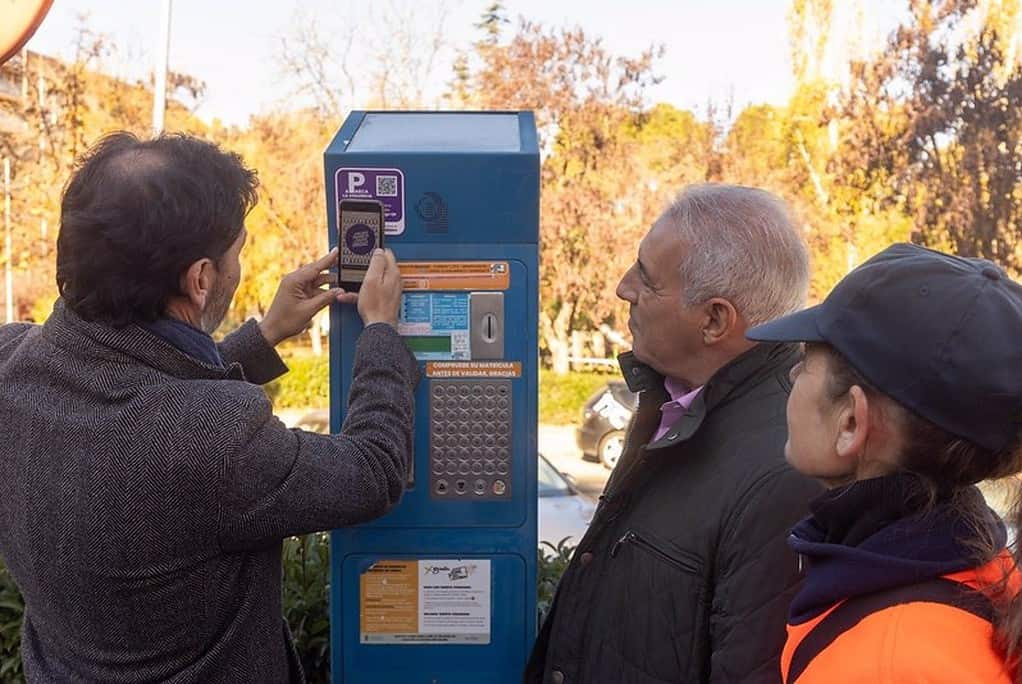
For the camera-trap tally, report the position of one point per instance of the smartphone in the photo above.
(360, 225)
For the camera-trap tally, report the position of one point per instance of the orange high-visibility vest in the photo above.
(936, 631)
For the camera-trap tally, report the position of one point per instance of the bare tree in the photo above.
(320, 67)
(409, 45)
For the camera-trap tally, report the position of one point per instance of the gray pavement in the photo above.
(557, 443)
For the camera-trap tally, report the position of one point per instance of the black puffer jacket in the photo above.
(684, 574)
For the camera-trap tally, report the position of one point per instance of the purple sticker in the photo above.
(386, 186)
(360, 238)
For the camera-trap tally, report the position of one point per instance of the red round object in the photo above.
(21, 18)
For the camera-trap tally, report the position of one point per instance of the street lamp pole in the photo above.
(160, 85)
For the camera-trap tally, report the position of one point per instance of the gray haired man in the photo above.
(683, 575)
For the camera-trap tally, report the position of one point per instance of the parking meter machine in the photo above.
(442, 589)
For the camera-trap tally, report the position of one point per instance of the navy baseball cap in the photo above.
(939, 334)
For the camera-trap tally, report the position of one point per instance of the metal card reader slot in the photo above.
(486, 319)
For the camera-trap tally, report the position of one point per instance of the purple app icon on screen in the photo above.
(360, 238)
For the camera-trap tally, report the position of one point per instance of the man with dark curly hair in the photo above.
(145, 485)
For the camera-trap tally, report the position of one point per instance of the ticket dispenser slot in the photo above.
(442, 589)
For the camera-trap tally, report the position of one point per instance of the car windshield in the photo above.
(622, 394)
(551, 482)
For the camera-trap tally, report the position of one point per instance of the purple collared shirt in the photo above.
(674, 409)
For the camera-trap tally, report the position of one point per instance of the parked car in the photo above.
(605, 415)
(317, 420)
(564, 512)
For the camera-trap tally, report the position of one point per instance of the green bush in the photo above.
(307, 601)
(553, 560)
(12, 610)
(561, 396)
(306, 385)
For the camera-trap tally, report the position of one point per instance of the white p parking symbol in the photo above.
(355, 180)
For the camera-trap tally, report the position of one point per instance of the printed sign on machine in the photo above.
(444, 601)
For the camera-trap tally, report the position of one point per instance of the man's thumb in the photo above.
(377, 265)
(326, 297)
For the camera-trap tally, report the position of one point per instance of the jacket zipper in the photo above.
(633, 537)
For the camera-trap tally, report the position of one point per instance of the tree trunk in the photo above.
(316, 335)
(599, 345)
(558, 339)
(578, 349)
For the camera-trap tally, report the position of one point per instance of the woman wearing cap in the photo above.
(910, 392)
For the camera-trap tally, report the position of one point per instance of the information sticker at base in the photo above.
(444, 601)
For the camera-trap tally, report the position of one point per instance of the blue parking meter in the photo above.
(442, 589)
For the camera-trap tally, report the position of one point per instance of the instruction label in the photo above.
(474, 369)
(426, 601)
(455, 275)
(435, 325)
(387, 186)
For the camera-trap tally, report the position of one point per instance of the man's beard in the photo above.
(216, 310)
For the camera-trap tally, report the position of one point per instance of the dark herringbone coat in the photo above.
(144, 496)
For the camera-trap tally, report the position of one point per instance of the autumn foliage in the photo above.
(918, 138)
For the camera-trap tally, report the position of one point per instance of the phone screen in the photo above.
(360, 235)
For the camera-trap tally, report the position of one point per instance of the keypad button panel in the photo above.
(470, 439)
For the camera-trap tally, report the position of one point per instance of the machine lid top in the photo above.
(437, 132)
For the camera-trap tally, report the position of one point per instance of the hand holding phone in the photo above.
(300, 296)
(380, 298)
(360, 231)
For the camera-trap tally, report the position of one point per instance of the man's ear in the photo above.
(853, 427)
(197, 282)
(720, 318)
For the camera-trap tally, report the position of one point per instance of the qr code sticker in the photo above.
(386, 186)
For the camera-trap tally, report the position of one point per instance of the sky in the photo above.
(715, 49)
